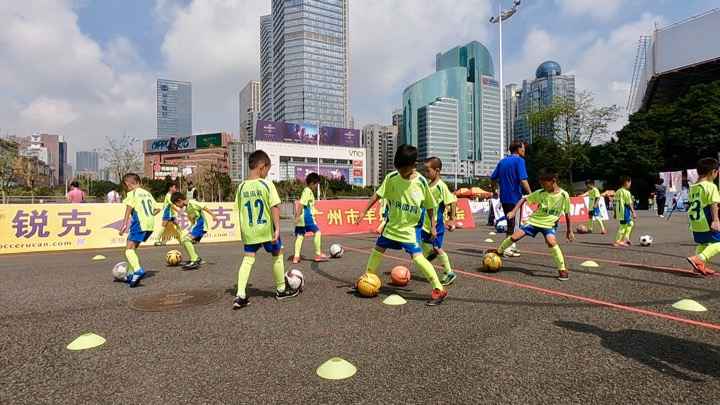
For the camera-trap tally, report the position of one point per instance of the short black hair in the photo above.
(706, 165)
(661, 180)
(405, 156)
(258, 157)
(172, 183)
(515, 145)
(177, 196)
(312, 178)
(132, 177)
(434, 162)
(624, 179)
(75, 184)
(547, 175)
(589, 182)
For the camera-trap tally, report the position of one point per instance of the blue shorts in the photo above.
(136, 234)
(437, 242)
(706, 237)
(385, 243)
(168, 214)
(198, 230)
(594, 213)
(302, 230)
(269, 247)
(533, 230)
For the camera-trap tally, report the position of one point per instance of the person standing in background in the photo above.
(113, 197)
(191, 191)
(660, 191)
(510, 176)
(75, 195)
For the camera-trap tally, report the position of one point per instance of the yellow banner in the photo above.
(57, 227)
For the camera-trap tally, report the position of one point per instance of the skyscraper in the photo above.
(438, 132)
(511, 104)
(249, 110)
(463, 73)
(174, 108)
(304, 62)
(87, 162)
(50, 149)
(549, 84)
(380, 142)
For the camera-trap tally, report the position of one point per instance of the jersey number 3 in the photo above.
(260, 207)
(694, 210)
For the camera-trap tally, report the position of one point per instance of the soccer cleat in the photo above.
(193, 265)
(321, 258)
(511, 253)
(699, 266)
(295, 259)
(563, 275)
(449, 278)
(619, 244)
(437, 297)
(134, 278)
(288, 293)
(240, 302)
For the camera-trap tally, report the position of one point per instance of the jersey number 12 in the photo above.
(260, 206)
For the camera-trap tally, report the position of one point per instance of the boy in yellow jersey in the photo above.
(432, 247)
(703, 214)
(552, 202)
(624, 213)
(139, 218)
(257, 202)
(408, 200)
(170, 228)
(593, 195)
(305, 220)
(195, 211)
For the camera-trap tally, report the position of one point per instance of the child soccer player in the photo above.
(305, 220)
(139, 217)
(552, 202)
(257, 203)
(408, 200)
(703, 213)
(593, 195)
(432, 247)
(624, 212)
(170, 229)
(198, 226)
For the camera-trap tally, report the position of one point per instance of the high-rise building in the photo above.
(438, 133)
(87, 162)
(174, 108)
(463, 73)
(510, 105)
(304, 62)
(380, 142)
(549, 85)
(48, 148)
(249, 110)
(236, 161)
(397, 121)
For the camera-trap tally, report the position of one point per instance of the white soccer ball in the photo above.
(336, 250)
(646, 240)
(295, 279)
(120, 271)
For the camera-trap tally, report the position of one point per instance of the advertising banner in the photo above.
(340, 137)
(206, 141)
(335, 173)
(169, 144)
(276, 131)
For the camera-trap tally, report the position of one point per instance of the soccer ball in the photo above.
(295, 280)
(492, 262)
(173, 257)
(400, 276)
(369, 285)
(581, 229)
(120, 271)
(336, 250)
(501, 227)
(646, 240)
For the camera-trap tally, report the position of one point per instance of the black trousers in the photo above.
(660, 202)
(510, 222)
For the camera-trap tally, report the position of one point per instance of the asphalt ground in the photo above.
(608, 335)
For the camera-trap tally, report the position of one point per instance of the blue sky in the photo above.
(86, 68)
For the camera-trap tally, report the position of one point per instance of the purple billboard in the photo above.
(275, 131)
(335, 173)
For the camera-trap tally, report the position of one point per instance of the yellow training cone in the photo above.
(488, 240)
(492, 233)
(394, 299)
(86, 341)
(99, 257)
(589, 263)
(336, 369)
(689, 305)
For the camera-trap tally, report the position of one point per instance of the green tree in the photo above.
(123, 156)
(8, 155)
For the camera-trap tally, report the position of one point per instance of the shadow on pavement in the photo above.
(666, 354)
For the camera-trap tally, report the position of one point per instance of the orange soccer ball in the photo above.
(400, 276)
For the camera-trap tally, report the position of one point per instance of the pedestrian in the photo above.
(660, 195)
(113, 197)
(192, 193)
(75, 195)
(510, 176)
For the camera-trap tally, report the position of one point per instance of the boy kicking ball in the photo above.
(305, 220)
(198, 227)
(704, 218)
(552, 202)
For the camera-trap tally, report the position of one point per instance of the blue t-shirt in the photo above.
(509, 172)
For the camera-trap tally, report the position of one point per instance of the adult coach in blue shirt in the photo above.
(510, 176)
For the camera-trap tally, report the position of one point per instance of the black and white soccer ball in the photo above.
(295, 280)
(646, 240)
(336, 250)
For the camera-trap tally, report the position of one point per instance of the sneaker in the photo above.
(288, 293)
(437, 297)
(511, 253)
(321, 258)
(449, 278)
(563, 275)
(240, 302)
(699, 266)
(661, 216)
(295, 259)
(134, 278)
(619, 244)
(193, 265)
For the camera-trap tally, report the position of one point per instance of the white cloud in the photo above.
(43, 113)
(601, 10)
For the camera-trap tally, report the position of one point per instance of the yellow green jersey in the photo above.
(623, 202)
(307, 205)
(167, 202)
(253, 200)
(195, 210)
(143, 205)
(406, 203)
(550, 207)
(593, 195)
(443, 198)
(702, 196)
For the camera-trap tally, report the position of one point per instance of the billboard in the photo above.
(208, 141)
(275, 131)
(170, 144)
(335, 173)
